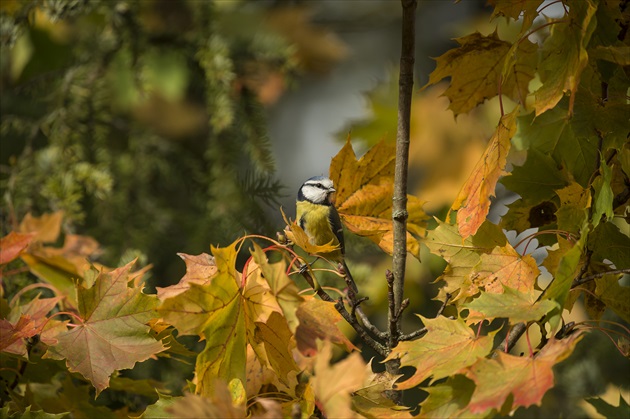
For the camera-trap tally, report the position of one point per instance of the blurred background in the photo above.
(162, 126)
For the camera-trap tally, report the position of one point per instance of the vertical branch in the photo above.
(399, 213)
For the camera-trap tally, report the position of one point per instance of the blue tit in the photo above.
(317, 216)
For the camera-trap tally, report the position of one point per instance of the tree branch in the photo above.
(399, 208)
(350, 318)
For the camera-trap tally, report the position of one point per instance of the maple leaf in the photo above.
(448, 347)
(512, 304)
(217, 405)
(199, 270)
(563, 141)
(462, 255)
(371, 400)
(503, 266)
(13, 244)
(228, 309)
(113, 334)
(526, 378)
(479, 65)
(46, 228)
(564, 55)
(333, 384)
(609, 243)
(278, 343)
(449, 399)
(564, 275)
(12, 334)
(603, 202)
(318, 320)
(25, 321)
(473, 202)
(514, 8)
(365, 188)
(616, 297)
(281, 286)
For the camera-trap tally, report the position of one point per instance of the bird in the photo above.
(318, 217)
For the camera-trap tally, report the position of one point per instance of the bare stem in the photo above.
(399, 213)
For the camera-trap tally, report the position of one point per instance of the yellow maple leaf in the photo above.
(365, 188)
(473, 201)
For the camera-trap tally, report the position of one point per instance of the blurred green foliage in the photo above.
(141, 120)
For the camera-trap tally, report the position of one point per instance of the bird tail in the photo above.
(351, 282)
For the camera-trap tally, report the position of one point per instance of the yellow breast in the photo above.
(314, 219)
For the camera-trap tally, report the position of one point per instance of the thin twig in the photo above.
(369, 326)
(399, 208)
(579, 281)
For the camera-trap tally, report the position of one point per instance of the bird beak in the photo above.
(332, 190)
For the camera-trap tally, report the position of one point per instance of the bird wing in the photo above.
(336, 227)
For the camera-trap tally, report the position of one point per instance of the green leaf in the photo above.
(554, 134)
(616, 297)
(513, 10)
(604, 196)
(448, 347)
(564, 55)
(608, 410)
(449, 399)
(512, 304)
(537, 179)
(609, 243)
(559, 288)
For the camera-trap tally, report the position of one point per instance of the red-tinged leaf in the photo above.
(46, 228)
(564, 55)
(504, 267)
(12, 334)
(318, 320)
(448, 347)
(199, 270)
(13, 244)
(365, 188)
(334, 384)
(512, 304)
(473, 202)
(527, 379)
(114, 334)
(36, 310)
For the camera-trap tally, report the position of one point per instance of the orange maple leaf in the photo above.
(473, 202)
(365, 188)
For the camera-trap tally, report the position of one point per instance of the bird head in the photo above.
(317, 190)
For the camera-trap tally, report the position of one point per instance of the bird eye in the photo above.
(319, 185)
